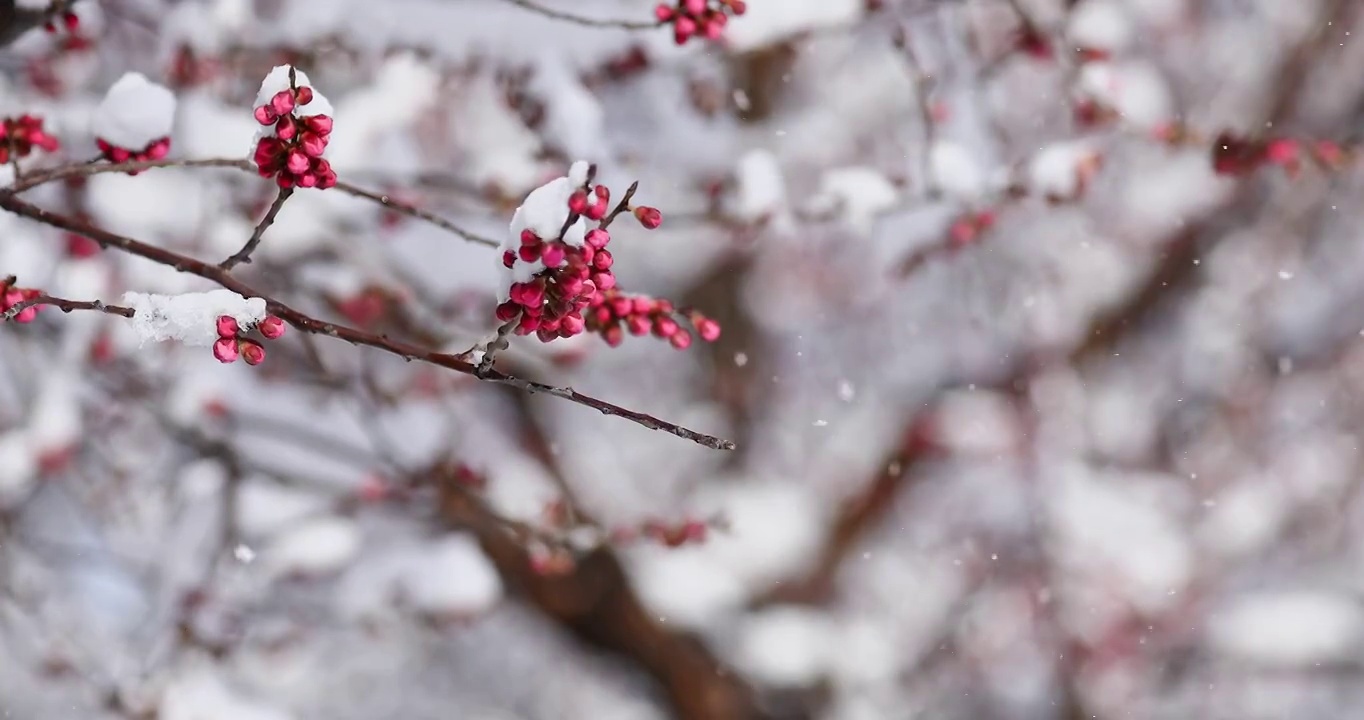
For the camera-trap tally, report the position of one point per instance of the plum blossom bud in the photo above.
(227, 326)
(649, 217)
(225, 349)
(252, 353)
(271, 327)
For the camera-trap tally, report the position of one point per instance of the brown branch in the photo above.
(305, 323)
(584, 21)
(35, 179)
(244, 255)
(595, 601)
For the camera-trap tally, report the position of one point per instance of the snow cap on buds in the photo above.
(295, 126)
(133, 121)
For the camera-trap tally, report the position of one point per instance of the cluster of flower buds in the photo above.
(564, 285)
(18, 137)
(230, 344)
(157, 150)
(551, 303)
(291, 152)
(11, 296)
(704, 18)
(133, 122)
(615, 313)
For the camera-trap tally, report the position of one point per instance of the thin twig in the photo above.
(244, 255)
(585, 21)
(308, 324)
(497, 344)
(35, 179)
(65, 306)
(388, 202)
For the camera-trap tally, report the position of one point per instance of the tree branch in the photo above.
(43, 177)
(66, 306)
(584, 21)
(244, 255)
(305, 323)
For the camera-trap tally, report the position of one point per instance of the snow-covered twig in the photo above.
(308, 324)
(244, 255)
(584, 21)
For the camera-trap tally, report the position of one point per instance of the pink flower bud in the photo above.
(508, 259)
(683, 29)
(604, 280)
(638, 324)
(252, 353)
(708, 329)
(282, 103)
(313, 144)
(271, 327)
(680, 339)
(320, 124)
(529, 253)
(297, 163)
(307, 180)
(598, 238)
(572, 325)
(265, 115)
(602, 260)
(694, 7)
(507, 310)
(227, 326)
(554, 255)
(225, 349)
(528, 237)
(577, 202)
(286, 129)
(649, 217)
(613, 336)
(158, 149)
(664, 12)
(304, 95)
(665, 327)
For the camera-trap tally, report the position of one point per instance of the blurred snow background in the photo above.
(1095, 456)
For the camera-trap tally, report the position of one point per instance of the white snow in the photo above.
(190, 318)
(265, 507)
(787, 646)
(1100, 25)
(956, 171)
(761, 189)
(18, 467)
(452, 577)
(544, 212)
(1058, 170)
(200, 695)
(134, 113)
(1113, 531)
(771, 21)
(1289, 628)
(1136, 90)
(55, 421)
(317, 547)
(858, 193)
